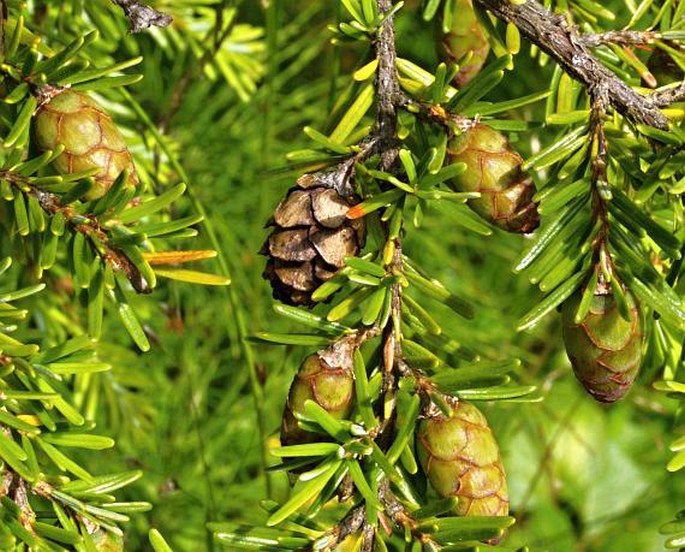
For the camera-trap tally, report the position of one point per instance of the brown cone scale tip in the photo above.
(460, 458)
(90, 138)
(311, 238)
(465, 41)
(493, 168)
(605, 349)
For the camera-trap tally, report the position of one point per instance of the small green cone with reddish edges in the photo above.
(460, 458)
(605, 349)
(325, 378)
(311, 238)
(466, 38)
(493, 168)
(89, 136)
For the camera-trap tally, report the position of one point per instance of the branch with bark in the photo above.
(383, 142)
(667, 97)
(570, 49)
(622, 38)
(87, 225)
(142, 16)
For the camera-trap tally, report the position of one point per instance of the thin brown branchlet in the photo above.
(624, 37)
(552, 34)
(88, 225)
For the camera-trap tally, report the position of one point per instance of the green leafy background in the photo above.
(229, 105)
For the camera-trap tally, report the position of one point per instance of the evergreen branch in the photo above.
(389, 98)
(437, 115)
(17, 486)
(623, 38)
(669, 96)
(14, 487)
(141, 16)
(564, 44)
(368, 536)
(349, 525)
(88, 225)
(387, 87)
(599, 100)
(382, 139)
(401, 516)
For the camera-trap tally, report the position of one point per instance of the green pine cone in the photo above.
(89, 136)
(493, 168)
(460, 457)
(605, 350)
(331, 387)
(466, 36)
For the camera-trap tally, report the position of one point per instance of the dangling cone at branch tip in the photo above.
(312, 236)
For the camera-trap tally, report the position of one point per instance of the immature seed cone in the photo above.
(460, 457)
(493, 168)
(466, 35)
(89, 136)
(310, 241)
(326, 379)
(605, 350)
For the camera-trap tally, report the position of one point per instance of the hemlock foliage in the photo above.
(144, 366)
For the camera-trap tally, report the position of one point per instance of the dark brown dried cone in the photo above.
(460, 457)
(311, 240)
(325, 378)
(90, 138)
(466, 36)
(493, 168)
(605, 350)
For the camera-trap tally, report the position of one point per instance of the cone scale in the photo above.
(460, 458)
(310, 241)
(90, 138)
(465, 41)
(605, 349)
(330, 386)
(493, 168)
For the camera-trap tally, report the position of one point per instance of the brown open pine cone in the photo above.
(311, 239)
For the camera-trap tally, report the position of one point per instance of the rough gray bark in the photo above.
(567, 47)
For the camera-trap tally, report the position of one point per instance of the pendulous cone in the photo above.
(325, 378)
(311, 238)
(465, 42)
(460, 458)
(493, 168)
(605, 349)
(89, 136)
